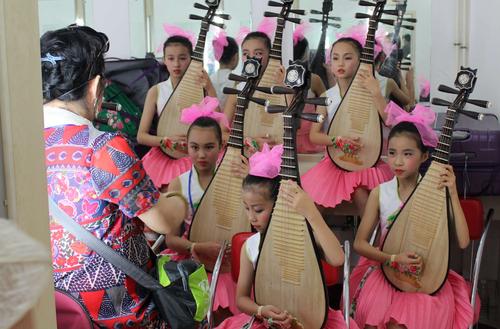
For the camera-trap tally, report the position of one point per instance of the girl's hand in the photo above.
(409, 258)
(206, 83)
(369, 82)
(276, 317)
(280, 77)
(240, 167)
(448, 179)
(296, 198)
(206, 252)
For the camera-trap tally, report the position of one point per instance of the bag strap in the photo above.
(102, 249)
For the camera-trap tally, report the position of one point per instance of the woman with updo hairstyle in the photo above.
(96, 179)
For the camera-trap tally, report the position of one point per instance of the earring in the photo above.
(94, 107)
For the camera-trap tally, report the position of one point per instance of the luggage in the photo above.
(475, 154)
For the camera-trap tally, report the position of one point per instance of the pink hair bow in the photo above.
(219, 42)
(299, 33)
(267, 162)
(173, 30)
(359, 33)
(425, 86)
(242, 34)
(268, 26)
(205, 109)
(422, 117)
(383, 43)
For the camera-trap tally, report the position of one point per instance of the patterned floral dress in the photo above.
(97, 179)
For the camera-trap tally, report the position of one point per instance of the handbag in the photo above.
(181, 296)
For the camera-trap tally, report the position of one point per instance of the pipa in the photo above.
(258, 123)
(189, 90)
(220, 213)
(421, 226)
(357, 115)
(288, 272)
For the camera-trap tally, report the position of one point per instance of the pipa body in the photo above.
(357, 114)
(288, 272)
(422, 226)
(221, 213)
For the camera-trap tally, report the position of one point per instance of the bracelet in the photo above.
(259, 311)
(191, 247)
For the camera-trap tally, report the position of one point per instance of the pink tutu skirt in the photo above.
(335, 321)
(378, 303)
(225, 294)
(304, 144)
(161, 168)
(328, 185)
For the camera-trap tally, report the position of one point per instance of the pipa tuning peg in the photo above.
(405, 63)
(200, 6)
(313, 117)
(392, 12)
(224, 16)
(366, 3)
(316, 12)
(386, 21)
(195, 17)
(408, 27)
(440, 102)
(410, 20)
(275, 109)
(260, 101)
(473, 115)
(449, 90)
(293, 20)
(265, 90)
(219, 25)
(322, 101)
(335, 25)
(278, 90)
(404, 68)
(480, 103)
(362, 15)
(335, 18)
(230, 91)
(274, 4)
(315, 20)
(271, 14)
(298, 11)
(235, 77)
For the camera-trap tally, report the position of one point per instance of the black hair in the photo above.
(71, 57)
(408, 129)
(260, 36)
(207, 122)
(178, 39)
(271, 184)
(299, 50)
(407, 37)
(229, 51)
(353, 42)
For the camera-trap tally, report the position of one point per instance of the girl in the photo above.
(177, 51)
(260, 190)
(226, 53)
(255, 44)
(375, 302)
(341, 185)
(204, 140)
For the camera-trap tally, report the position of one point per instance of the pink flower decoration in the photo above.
(299, 33)
(359, 33)
(219, 42)
(267, 162)
(173, 30)
(422, 117)
(205, 109)
(242, 34)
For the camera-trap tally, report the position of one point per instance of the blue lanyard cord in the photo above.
(189, 192)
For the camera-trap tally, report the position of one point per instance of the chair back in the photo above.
(70, 314)
(474, 214)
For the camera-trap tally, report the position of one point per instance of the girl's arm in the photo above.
(461, 227)
(143, 135)
(316, 135)
(166, 216)
(295, 197)
(369, 82)
(317, 86)
(402, 96)
(368, 222)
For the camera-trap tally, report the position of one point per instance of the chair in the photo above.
(478, 230)
(331, 274)
(213, 285)
(70, 314)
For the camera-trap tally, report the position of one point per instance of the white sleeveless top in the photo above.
(334, 94)
(220, 80)
(165, 90)
(383, 84)
(191, 189)
(252, 248)
(389, 202)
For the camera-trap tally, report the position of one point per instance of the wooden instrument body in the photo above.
(288, 273)
(357, 116)
(188, 92)
(421, 227)
(221, 205)
(259, 123)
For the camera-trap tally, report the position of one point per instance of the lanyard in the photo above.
(189, 191)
